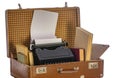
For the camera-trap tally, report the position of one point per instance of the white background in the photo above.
(101, 17)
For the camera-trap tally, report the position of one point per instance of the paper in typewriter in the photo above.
(43, 24)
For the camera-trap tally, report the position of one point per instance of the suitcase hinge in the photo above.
(66, 5)
(19, 5)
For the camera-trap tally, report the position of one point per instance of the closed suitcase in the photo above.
(18, 22)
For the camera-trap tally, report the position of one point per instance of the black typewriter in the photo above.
(52, 53)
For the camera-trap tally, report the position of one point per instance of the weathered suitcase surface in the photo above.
(18, 22)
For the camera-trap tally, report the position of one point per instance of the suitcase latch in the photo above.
(41, 70)
(93, 65)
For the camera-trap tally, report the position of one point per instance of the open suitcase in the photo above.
(18, 22)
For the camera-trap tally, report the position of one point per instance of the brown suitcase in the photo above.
(18, 22)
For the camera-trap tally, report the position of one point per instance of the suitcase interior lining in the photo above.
(19, 22)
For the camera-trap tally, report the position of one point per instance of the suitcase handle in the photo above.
(73, 70)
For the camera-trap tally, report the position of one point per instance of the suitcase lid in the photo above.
(18, 22)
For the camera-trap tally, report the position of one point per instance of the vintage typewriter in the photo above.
(52, 53)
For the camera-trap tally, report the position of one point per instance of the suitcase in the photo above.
(18, 22)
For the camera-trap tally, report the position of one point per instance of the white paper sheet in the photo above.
(43, 24)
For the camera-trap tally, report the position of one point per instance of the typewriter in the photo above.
(52, 53)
